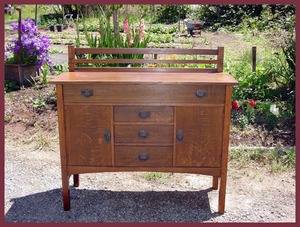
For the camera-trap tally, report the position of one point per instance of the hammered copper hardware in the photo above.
(107, 136)
(179, 136)
(143, 134)
(87, 93)
(143, 157)
(144, 114)
(201, 93)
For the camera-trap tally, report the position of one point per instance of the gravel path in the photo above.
(33, 193)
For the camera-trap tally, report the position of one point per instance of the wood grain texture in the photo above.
(85, 127)
(143, 156)
(145, 69)
(215, 183)
(220, 59)
(225, 145)
(160, 93)
(143, 61)
(193, 51)
(146, 56)
(163, 114)
(71, 58)
(193, 101)
(167, 77)
(63, 148)
(97, 169)
(202, 136)
(157, 134)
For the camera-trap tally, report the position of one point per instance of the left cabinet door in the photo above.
(88, 135)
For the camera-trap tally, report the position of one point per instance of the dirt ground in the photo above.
(33, 187)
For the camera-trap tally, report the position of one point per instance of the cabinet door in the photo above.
(199, 136)
(88, 131)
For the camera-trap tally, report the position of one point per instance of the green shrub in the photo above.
(170, 13)
(247, 18)
(272, 86)
(10, 86)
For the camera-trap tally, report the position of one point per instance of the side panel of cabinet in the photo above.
(88, 131)
(199, 136)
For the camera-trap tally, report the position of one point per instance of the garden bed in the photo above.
(31, 142)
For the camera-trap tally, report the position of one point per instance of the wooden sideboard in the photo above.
(144, 121)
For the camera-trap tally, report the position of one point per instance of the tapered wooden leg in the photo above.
(215, 182)
(225, 146)
(66, 193)
(222, 193)
(76, 180)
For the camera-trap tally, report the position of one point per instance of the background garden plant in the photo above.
(33, 49)
(131, 37)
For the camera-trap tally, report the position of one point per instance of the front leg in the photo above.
(66, 192)
(76, 180)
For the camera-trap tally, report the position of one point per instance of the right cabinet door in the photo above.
(199, 136)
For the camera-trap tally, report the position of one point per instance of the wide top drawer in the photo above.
(144, 93)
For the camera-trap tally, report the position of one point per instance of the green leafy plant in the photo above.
(7, 118)
(268, 113)
(162, 29)
(11, 86)
(39, 103)
(44, 72)
(170, 13)
(243, 113)
(130, 38)
(59, 68)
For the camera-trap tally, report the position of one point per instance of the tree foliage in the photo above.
(170, 13)
(234, 17)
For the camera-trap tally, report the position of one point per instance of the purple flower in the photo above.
(14, 26)
(6, 55)
(34, 47)
(16, 48)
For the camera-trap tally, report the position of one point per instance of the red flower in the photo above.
(235, 105)
(252, 103)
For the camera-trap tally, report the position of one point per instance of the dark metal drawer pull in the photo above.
(107, 136)
(143, 157)
(87, 93)
(143, 134)
(179, 136)
(201, 93)
(144, 114)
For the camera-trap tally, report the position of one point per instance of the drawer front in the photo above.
(143, 114)
(144, 93)
(143, 156)
(143, 134)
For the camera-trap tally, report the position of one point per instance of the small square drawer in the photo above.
(143, 156)
(143, 114)
(143, 134)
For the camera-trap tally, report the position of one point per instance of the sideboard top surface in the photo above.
(144, 77)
